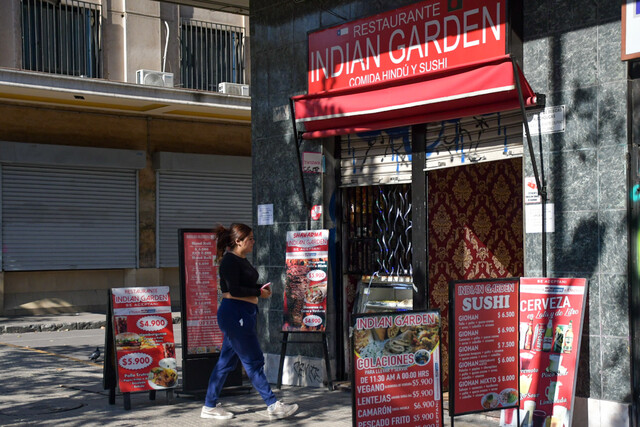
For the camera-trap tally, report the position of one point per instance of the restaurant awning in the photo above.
(477, 88)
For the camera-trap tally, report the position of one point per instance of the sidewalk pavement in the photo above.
(50, 389)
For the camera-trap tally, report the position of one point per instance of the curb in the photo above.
(20, 328)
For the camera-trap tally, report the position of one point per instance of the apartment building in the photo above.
(120, 122)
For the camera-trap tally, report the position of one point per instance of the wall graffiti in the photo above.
(309, 371)
(386, 152)
(472, 140)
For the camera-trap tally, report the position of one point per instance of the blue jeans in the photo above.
(237, 320)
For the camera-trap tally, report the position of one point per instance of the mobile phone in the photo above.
(266, 285)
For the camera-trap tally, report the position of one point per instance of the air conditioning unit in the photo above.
(233, 89)
(154, 78)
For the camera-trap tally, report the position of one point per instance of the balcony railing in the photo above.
(211, 54)
(62, 37)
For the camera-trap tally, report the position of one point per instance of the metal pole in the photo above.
(542, 189)
(298, 141)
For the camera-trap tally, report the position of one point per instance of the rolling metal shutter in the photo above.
(199, 200)
(384, 157)
(477, 139)
(60, 218)
(376, 158)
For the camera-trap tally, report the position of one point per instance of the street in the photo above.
(49, 380)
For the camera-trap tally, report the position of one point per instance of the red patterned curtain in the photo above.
(475, 229)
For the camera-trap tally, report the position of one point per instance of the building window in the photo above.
(211, 54)
(62, 37)
(378, 230)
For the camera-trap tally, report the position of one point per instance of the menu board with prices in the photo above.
(201, 293)
(305, 293)
(396, 363)
(484, 337)
(144, 341)
(551, 316)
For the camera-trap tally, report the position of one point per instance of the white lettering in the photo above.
(400, 47)
(468, 28)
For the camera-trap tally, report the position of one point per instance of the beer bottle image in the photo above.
(529, 336)
(567, 345)
(547, 341)
(558, 339)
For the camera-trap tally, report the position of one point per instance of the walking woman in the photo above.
(237, 320)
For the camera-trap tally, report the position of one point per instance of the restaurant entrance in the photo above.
(475, 229)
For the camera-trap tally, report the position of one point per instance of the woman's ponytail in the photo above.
(223, 236)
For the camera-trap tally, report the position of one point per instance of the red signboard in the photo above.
(145, 347)
(396, 380)
(201, 290)
(305, 293)
(429, 36)
(484, 345)
(551, 314)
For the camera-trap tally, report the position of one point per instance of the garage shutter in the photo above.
(199, 200)
(68, 218)
(477, 139)
(376, 158)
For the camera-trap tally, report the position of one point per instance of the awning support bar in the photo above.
(540, 180)
(298, 140)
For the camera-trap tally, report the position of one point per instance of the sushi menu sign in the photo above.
(396, 363)
(144, 342)
(305, 294)
(484, 356)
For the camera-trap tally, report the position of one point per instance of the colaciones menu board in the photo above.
(484, 336)
(145, 346)
(551, 315)
(305, 293)
(396, 362)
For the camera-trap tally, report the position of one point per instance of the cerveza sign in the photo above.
(425, 37)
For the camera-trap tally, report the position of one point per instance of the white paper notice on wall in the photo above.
(311, 162)
(551, 120)
(533, 218)
(265, 214)
(531, 191)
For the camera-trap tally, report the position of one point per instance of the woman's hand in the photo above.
(265, 292)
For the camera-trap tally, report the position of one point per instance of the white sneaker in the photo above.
(281, 410)
(219, 413)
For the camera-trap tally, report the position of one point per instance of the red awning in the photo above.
(478, 88)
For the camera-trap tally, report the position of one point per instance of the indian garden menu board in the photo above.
(145, 346)
(484, 337)
(396, 362)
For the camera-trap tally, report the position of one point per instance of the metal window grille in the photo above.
(211, 54)
(62, 37)
(378, 230)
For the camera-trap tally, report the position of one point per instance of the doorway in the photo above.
(475, 229)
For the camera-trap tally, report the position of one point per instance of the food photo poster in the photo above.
(305, 292)
(144, 340)
(396, 363)
(550, 323)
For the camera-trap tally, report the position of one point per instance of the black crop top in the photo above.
(238, 277)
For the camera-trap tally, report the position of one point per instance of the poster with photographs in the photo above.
(144, 341)
(396, 369)
(305, 292)
(551, 317)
